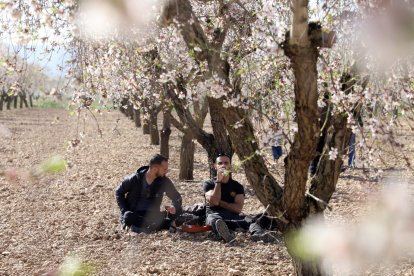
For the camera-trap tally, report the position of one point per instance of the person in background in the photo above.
(277, 150)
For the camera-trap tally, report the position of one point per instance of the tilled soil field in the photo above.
(46, 218)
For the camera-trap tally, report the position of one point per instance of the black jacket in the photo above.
(130, 191)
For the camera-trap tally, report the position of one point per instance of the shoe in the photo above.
(223, 230)
(266, 237)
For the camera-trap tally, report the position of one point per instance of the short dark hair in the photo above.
(157, 159)
(220, 155)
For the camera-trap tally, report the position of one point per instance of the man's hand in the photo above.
(221, 175)
(171, 210)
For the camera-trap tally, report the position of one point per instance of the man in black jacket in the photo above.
(140, 195)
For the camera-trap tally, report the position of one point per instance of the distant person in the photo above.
(352, 141)
(325, 111)
(225, 200)
(140, 195)
(277, 150)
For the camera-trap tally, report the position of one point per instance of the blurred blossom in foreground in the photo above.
(103, 19)
(385, 37)
(11, 175)
(384, 236)
(73, 265)
(54, 164)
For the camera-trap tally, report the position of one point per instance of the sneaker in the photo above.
(266, 237)
(223, 230)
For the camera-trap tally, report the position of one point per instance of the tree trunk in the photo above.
(165, 134)
(246, 147)
(1, 101)
(137, 118)
(15, 101)
(303, 60)
(153, 127)
(23, 101)
(130, 111)
(124, 106)
(187, 157)
(31, 100)
(146, 126)
(308, 268)
(323, 185)
(9, 101)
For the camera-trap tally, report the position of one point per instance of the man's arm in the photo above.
(235, 207)
(120, 193)
(174, 196)
(213, 196)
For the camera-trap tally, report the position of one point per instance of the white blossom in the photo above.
(333, 153)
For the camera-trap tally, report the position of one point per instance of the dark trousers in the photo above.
(233, 221)
(144, 221)
(277, 152)
(351, 154)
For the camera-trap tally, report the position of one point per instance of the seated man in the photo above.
(140, 195)
(225, 200)
(224, 197)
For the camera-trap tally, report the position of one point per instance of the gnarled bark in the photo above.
(153, 127)
(187, 157)
(146, 126)
(165, 134)
(137, 118)
(303, 60)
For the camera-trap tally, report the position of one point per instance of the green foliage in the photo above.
(48, 103)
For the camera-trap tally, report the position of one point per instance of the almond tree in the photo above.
(292, 204)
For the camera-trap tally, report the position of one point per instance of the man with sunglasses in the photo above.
(140, 195)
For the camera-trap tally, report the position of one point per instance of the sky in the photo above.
(50, 61)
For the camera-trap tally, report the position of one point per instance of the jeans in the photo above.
(143, 221)
(277, 152)
(233, 221)
(351, 151)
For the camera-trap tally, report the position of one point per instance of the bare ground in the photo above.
(45, 219)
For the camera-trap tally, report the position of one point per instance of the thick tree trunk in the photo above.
(222, 140)
(165, 134)
(124, 106)
(212, 144)
(303, 150)
(187, 157)
(146, 126)
(323, 185)
(153, 127)
(130, 111)
(137, 118)
(246, 147)
(9, 102)
(2, 97)
(23, 101)
(15, 101)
